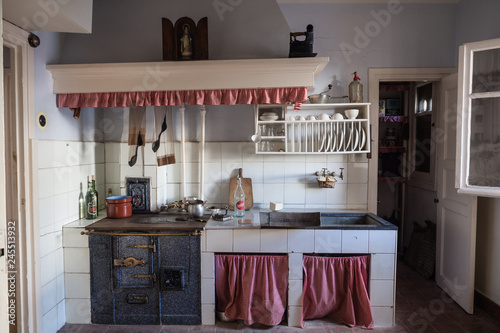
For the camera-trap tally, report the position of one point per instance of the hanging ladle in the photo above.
(133, 159)
(156, 144)
(256, 138)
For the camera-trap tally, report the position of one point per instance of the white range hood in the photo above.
(186, 75)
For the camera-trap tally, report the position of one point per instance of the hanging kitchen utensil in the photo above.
(156, 144)
(246, 184)
(136, 129)
(133, 159)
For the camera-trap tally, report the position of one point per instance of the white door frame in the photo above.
(27, 247)
(375, 76)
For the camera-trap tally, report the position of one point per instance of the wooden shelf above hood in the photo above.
(186, 75)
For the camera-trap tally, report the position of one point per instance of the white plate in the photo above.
(269, 118)
(355, 139)
(348, 139)
(340, 139)
(334, 141)
(322, 137)
(363, 139)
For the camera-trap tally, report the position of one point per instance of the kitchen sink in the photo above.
(300, 220)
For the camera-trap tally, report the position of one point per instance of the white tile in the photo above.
(316, 195)
(59, 158)
(49, 296)
(258, 193)
(49, 321)
(74, 179)
(247, 240)
(382, 292)
(383, 316)
(249, 155)
(124, 152)
(60, 288)
(357, 173)
(382, 266)
(154, 202)
(274, 173)
(208, 291)
(357, 194)
(47, 244)
(337, 195)
(61, 204)
(273, 192)
(295, 158)
(76, 260)
(87, 153)
(45, 183)
(207, 265)
(213, 193)
(295, 292)
(174, 173)
(149, 155)
(213, 152)
(161, 175)
(150, 171)
(295, 271)
(231, 152)
(354, 241)
(59, 259)
(382, 241)
(219, 240)
(327, 241)
(112, 173)
(213, 172)
(273, 240)
(46, 212)
(73, 151)
(45, 153)
(255, 171)
(336, 158)
(295, 193)
(301, 240)
(77, 285)
(127, 171)
(317, 158)
(173, 192)
(274, 158)
(208, 314)
(294, 316)
(193, 172)
(99, 152)
(61, 180)
(112, 152)
(295, 173)
(204, 242)
(61, 314)
(48, 270)
(78, 311)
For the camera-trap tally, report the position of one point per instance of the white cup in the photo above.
(311, 117)
(337, 116)
(351, 113)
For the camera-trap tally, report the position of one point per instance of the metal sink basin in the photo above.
(299, 220)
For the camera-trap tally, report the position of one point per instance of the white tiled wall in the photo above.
(286, 178)
(62, 167)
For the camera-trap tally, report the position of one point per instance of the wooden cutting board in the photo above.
(246, 184)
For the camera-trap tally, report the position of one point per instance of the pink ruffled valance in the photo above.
(252, 288)
(189, 97)
(337, 288)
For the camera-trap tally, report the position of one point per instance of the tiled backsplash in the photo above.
(62, 166)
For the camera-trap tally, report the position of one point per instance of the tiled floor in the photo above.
(421, 307)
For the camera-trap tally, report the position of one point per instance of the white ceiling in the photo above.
(61, 16)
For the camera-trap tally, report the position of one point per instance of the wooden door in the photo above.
(456, 220)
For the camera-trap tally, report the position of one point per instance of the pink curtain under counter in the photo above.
(252, 288)
(337, 288)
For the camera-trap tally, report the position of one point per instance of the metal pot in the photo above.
(318, 98)
(120, 206)
(196, 208)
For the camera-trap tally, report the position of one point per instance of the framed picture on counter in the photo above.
(392, 107)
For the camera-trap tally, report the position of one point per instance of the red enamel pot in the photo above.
(120, 206)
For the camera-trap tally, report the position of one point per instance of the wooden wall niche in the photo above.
(185, 40)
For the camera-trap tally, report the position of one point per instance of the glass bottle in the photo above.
(96, 196)
(356, 90)
(91, 200)
(81, 204)
(239, 200)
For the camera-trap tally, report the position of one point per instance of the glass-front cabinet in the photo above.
(478, 149)
(341, 128)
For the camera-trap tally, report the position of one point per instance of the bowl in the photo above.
(351, 113)
(300, 118)
(311, 117)
(268, 118)
(337, 116)
(290, 118)
(318, 98)
(324, 116)
(120, 207)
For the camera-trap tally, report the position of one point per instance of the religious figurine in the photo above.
(302, 48)
(186, 47)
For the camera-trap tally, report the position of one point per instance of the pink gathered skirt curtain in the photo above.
(252, 288)
(190, 97)
(337, 288)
